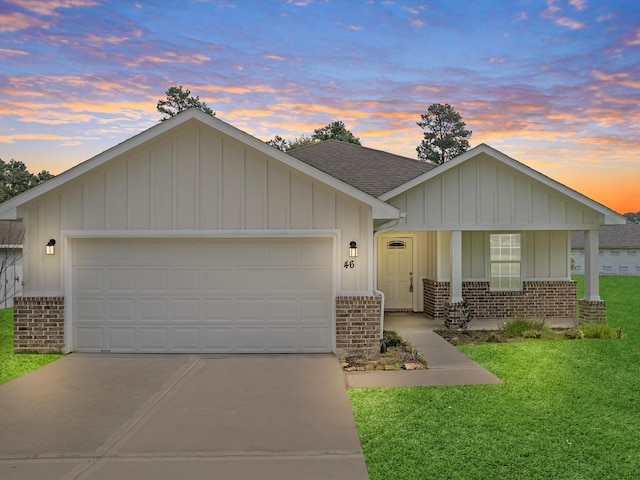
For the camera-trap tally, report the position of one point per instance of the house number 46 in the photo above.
(349, 264)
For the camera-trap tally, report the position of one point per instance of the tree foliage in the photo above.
(179, 100)
(15, 179)
(445, 136)
(335, 130)
(632, 217)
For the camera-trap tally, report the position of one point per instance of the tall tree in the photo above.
(445, 136)
(179, 100)
(15, 179)
(337, 131)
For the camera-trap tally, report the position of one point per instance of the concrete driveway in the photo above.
(179, 416)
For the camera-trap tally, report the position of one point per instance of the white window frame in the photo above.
(491, 262)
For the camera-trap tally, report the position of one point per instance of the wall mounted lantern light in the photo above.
(50, 248)
(353, 249)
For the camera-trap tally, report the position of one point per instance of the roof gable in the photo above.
(372, 171)
(609, 216)
(8, 210)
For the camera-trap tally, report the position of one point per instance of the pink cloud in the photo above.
(15, 21)
(49, 7)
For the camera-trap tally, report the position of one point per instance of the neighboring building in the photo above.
(619, 250)
(194, 236)
(11, 235)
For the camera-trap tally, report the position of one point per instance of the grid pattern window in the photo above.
(505, 261)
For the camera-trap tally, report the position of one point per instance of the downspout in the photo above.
(383, 228)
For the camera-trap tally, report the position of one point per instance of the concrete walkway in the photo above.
(162, 417)
(447, 364)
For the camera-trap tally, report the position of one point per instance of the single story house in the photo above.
(619, 250)
(194, 236)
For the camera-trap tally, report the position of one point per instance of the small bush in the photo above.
(391, 339)
(574, 334)
(516, 327)
(600, 330)
(532, 334)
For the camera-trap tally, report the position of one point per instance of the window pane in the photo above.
(505, 255)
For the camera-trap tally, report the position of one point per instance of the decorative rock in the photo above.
(380, 367)
(360, 369)
(350, 369)
(412, 366)
(389, 367)
(369, 367)
(344, 364)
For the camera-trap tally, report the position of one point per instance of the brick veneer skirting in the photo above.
(358, 322)
(38, 324)
(593, 311)
(537, 299)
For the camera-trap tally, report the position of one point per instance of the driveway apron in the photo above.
(178, 416)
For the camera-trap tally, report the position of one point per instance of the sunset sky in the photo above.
(554, 84)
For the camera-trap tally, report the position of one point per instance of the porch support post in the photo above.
(592, 265)
(592, 309)
(456, 266)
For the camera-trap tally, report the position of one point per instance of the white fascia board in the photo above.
(379, 207)
(610, 217)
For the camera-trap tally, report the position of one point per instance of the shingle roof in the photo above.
(612, 236)
(371, 171)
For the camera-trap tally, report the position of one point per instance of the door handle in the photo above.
(410, 282)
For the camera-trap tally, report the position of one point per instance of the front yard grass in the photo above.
(12, 365)
(566, 410)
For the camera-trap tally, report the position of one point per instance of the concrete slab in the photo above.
(95, 417)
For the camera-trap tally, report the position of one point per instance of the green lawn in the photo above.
(566, 410)
(12, 365)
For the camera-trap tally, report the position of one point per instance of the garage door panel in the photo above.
(154, 280)
(154, 339)
(121, 280)
(91, 338)
(283, 309)
(121, 339)
(186, 339)
(121, 309)
(89, 280)
(185, 280)
(314, 309)
(217, 280)
(203, 295)
(218, 340)
(249, 339)
(185, 309)
(154, 309)
(217, 309)
(89, 309)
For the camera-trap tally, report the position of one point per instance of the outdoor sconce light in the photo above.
(50, 248)
(353, 249)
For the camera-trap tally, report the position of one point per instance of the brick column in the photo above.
(38, 324)
(358, 322)
(593, 311)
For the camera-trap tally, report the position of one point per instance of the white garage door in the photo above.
(202, 295)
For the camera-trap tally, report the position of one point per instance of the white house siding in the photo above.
(483, 194)
(613, 261)
(193, 178)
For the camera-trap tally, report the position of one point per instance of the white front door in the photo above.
(395, 272)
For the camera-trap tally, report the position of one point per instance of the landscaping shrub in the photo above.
(600, 330)
(391, 339)
(516, 327)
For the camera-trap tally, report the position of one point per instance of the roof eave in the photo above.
(8, 210)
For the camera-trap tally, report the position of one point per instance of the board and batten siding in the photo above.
(192, 179)
(483, 194)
